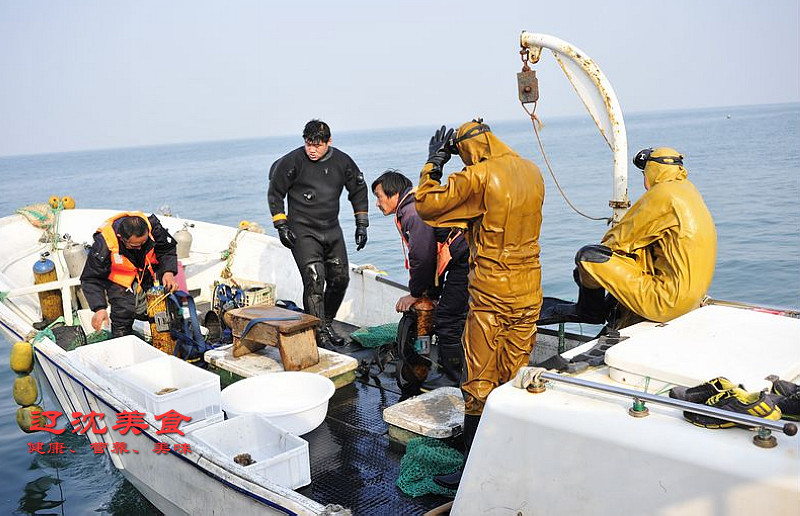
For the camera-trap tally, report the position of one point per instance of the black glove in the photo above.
(285, 234)
(437, 154)
(361, 236)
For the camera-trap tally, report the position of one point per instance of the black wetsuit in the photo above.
(96, 285)
(314, 189)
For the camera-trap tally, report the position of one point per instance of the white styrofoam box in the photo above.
(191, 391)
(279, 456)
(113, 354)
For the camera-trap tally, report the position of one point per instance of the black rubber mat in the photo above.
(351, 461)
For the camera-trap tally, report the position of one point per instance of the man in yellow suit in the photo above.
(658, 261)
(498, 195)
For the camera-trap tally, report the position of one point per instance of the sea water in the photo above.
(744, 161)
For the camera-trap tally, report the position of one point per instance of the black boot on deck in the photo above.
(334, 337)
(452, 480)
(327, 340)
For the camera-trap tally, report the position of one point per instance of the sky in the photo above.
(77, 75)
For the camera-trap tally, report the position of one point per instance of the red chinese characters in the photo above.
(51, 416)
(127, 421)
(170, 422)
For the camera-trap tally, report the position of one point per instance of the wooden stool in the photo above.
(294, 336)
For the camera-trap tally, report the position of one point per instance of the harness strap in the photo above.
(257, 320)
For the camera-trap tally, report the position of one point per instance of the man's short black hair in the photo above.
(131, 226)
(392, 181)
(316, 131)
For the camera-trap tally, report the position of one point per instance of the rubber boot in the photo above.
(336, 339)
(590, 308)
(326, 340)
(452, 480)
(450, 358)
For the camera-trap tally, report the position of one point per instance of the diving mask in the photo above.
(645, 155)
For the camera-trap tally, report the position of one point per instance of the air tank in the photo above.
(75, 254)
(183, 239)
(44, 271)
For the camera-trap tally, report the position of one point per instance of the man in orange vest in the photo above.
(131, 252)
(431, 255)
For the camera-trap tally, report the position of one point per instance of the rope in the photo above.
(228, 255)
(535, 120)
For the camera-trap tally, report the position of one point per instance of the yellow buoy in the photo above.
(68, 202)
(54, 201)
(25, 391)
(25, 419)
(21, 357)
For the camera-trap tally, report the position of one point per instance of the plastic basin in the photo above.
(292, 400)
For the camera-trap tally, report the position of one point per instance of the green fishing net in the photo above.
(424, 459)
(375, 336)
(98, 336)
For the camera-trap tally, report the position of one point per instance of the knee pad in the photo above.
(593, 254)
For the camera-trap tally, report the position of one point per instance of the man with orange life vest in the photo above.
(437, 263)
(130, 253)
(499, 195)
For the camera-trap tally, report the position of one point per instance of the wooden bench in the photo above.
(294, 338)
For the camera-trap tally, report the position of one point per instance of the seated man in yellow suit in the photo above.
(659, 259)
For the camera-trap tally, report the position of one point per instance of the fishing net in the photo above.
(69, 337)
(39, 215)
(375, 336)
(424, 459)
(98, 336)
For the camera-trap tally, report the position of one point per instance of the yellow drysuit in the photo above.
(664, 248)
(499, 196)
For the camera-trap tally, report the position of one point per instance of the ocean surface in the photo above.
(744, 160)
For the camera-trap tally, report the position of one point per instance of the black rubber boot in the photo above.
(327, 339)
(449, 368)
(335, 338)
(590, 308)
(452, 480)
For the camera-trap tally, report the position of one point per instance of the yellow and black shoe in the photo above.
(759, 404)
(701, 393)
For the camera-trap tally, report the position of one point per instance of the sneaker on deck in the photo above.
(758, 404)
(783, 387)
(701, 393)
(790, 406)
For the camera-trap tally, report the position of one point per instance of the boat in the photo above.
(605, 439)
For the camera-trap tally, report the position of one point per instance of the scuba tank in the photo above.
(425, 310)
(75, 255)
(183, 239)
(413, 346)
(44, 271)
(159, 320)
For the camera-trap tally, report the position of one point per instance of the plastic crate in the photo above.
(279, 456)
(255, 292)
(169, 383)
(114, 354)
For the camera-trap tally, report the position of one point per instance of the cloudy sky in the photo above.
(97, 74)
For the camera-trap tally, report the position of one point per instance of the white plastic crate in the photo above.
(279, 456)
(113, 354)
(169, 383)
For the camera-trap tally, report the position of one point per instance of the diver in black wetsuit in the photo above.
(313, 177)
